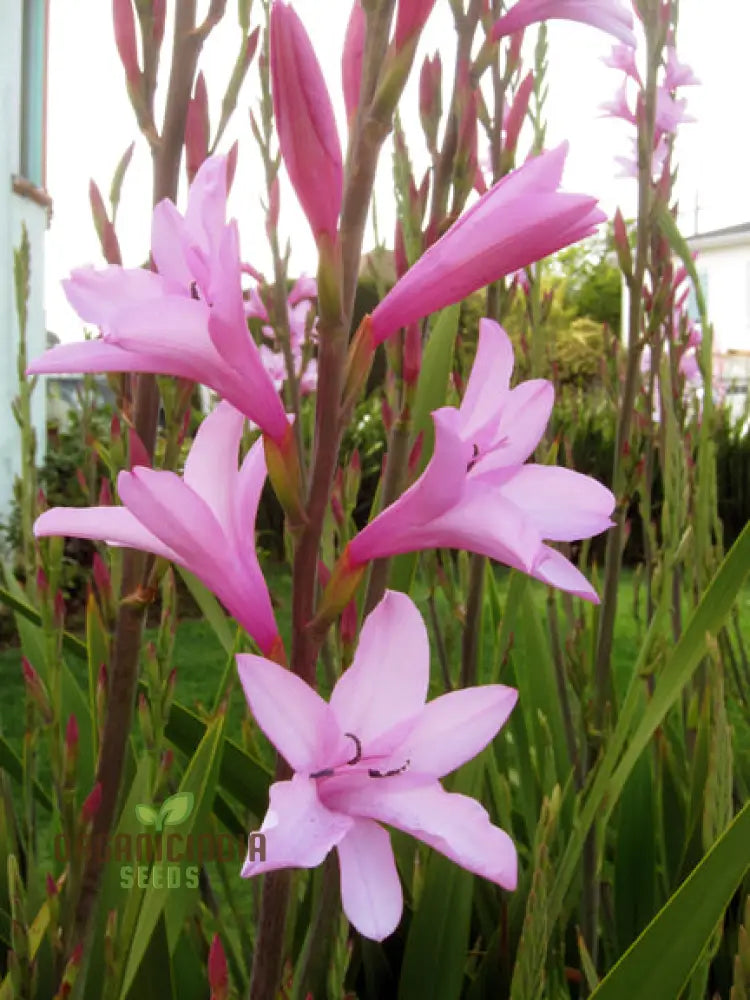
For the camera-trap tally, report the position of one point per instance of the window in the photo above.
(33, 88)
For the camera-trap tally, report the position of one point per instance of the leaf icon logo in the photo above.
(173, 811)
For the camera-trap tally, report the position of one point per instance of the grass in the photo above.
(201, 661)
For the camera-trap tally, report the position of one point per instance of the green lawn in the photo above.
(201, 662)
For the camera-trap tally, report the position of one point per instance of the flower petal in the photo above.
(168, 239)
(454, 728)
(564, 505)
(456, 825)
(552, 568)
(370, 887)
(388, 680)
(211, 465)
(299, 830)
(299, 723)
(113, 525)
(488, 382)
(97, 295)
(521, 423)
(92, 356)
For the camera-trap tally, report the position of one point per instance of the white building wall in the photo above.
(725, 271)
(15, 210)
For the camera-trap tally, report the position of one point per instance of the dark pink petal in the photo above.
(410, 19)
(299, 830)
(301, 726)
(388, 680)
(114, 525)
(370, 887)
(454, 728)
(563, 505)
(455, 825)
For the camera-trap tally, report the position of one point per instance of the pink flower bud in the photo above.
(337, 509)
(387, 414)
(50, 886)
(137, 450)
(104, 228)
(517, 114)
(197, 129)
(81, 480)
(124, 22)
(356, 462)
(218, 975)
(399, 251)
(105, 494)
(349, 623)
(306, 125)
(272, 216)
(351, 60)
(42, 583)
(514, 49)
(59, 609)
(430, 98)
(71, 734)
(410, 19)
(416, 453)
(92, 804)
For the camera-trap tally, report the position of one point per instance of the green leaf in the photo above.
(175, 809)
(661, 961)
(433, 965)
(210, 609)
(10, 762)
(146, 814)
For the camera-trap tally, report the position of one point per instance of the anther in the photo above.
(388, 774)
(358, 744)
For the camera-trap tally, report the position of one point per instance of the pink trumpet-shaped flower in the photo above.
(374, 755)
(203, 521)
(477, 494)
(351, 59)
(678, 74)
(606, 15)
(619, 106)
(521, 219)
(304, 118)
(622, 57)
(188, 320)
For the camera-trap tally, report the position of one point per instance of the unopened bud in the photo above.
(92, 804)
(415, 454)
(412, 362)
(197, 127)
(137, 450)
(218, 974)
(37, 691)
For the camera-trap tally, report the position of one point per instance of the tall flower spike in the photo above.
(203, 521)
(523, 218)
(306, 125)
(374, 755)
(610, 16)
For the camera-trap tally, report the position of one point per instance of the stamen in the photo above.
(388, 774)
(194, 290)
(473, 461)
(327, 772)
(358, 744)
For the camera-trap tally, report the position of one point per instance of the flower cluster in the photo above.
(376, 752)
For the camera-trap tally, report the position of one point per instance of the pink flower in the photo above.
(622, 57)
(607, 15)
(522, 218)
(305, 122)
(374, 755)
(477, 494)
(203, 521)
(188, 320)
(670, 112)
(351, 59)
(678, 74)
(619, 106)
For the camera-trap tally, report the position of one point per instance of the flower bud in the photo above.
(431, 98)
(92, 804)
(124, 22)
(351, 60)
(410, 19)
(516, 118)
(305, 122)
(197, 129)
(218, 975)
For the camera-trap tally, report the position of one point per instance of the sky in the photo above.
(90, 124)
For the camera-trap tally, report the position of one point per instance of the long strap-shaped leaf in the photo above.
(659, 963)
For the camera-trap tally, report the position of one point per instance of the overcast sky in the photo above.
(90, 123)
